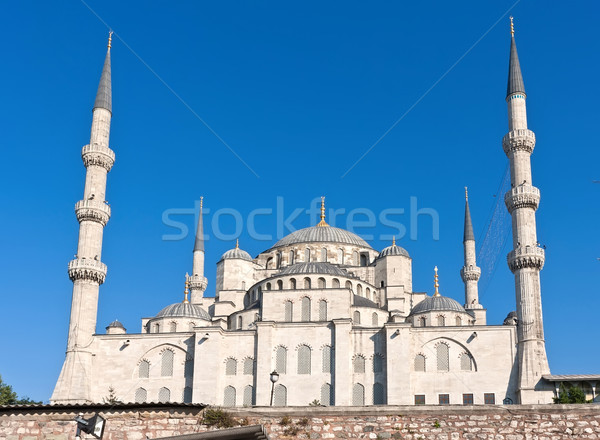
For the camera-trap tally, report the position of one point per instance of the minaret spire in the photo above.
(470, 273)
(527, 258)
(197, 282)
(87, 270)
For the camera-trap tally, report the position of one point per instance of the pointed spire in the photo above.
(436, 283)
(322, 222)
(468, 235)
(394, 241)
(237, 243)
(104, 95)
(186, 292)
(199, 244)
(515, 79)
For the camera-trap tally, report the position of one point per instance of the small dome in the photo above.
(437, 303)
(392, 251)
(236, 253)
(322, 234)
(184, 310)
(361, 301)
(115, 324)
(320, 268)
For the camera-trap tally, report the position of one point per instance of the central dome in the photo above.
(322, 234)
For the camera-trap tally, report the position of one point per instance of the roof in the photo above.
(236, 253)
(515, 79)
(468, 235)
(184, 310)
(256, 432)
(571, 377)
(435, 303)
(320, 268)
(115, 324)
(361, 301)
(104, 94)
(392, 251)
(322, 234)
(77, 407)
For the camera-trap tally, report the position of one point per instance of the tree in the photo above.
(112, 396)
(9, 397)
(570, 395)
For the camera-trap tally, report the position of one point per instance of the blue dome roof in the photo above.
(184, 310)
(322, 268)
(322, 234)
(236, 253)
(393, 250)
(437, 303)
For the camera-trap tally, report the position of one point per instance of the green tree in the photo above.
(9, 397)
(570, 395)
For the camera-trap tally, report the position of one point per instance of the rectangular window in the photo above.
(489, 398)
(467, 399)
(444, 399)
(419, 399)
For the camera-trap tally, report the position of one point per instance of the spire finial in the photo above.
(186, 292)
(237, 243)
(110, 39)
(394, 241)
(322, 222)
(466, 194)
(201, 201)
(436, 283)
(512, 27)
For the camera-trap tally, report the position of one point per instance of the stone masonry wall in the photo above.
(517, 422)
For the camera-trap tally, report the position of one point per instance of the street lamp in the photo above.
(274, 378)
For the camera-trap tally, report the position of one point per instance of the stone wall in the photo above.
(138, 422)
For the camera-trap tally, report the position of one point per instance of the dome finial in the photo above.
(512, 27)
(394, 240)
(186, 292)
(322, 222)
(436, 283)
(110, 39)
(237, 243)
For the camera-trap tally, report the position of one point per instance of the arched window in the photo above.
(355, 258)
(157, 328)
(281, 360)
(466, 363)
(229, 396)
(374, 319)
(239, 322)
(422, 321)
(293, 283)
(364, 260)
(141, 395)
(278, 260)
(378, 394)
(358, 395)
(307, 283)
(321, 283)
(326, 395)
(348, 285)
(248, 395)
(340, 256)
(269, 264)
(166, 364)
(356, 317)
(279, 285)
(368, 293)
(280, 395)
(305, 309)
(291, 257)
(441, 320)
(359, 289)
(187, 395)
(322, 310)
(248, 366)
(359, 363)
(327, 356)
(377, 363)
(335, 283)
(144, 370)
(307, 255)
(458, 321)
(230, 367)
(268, 287)
(419, 362)
(172, 327)
(443, 361)
(324, 255)
(164, 395)
(304, 356)
(382, 283)
(288, 311)
(188, 369)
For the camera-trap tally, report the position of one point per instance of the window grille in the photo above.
(322, 283)
(188, 369)
(141, 395)
(164, 395)
(443, 362)
(305, 309)
(348, 285)
(229, 396)
(423, 322)
(458, 321)
(248, 366)
(335, 283)
(374, 320)
(378, 395)
(166, 367)
(441, 320)
(248, 396)
(280, 395)
(356, 317)
(281, 360)
(326, 395)
(377, 363)
(444, 399)
(187, 395)
(231, 367)
(467, 399)
(144, 370)
(466, 363)
(419, 362)
(358, 395)
(304, 359)
(359, 364)
(289, 310)
(291, 257)
(322, 310)
(419, 399)
(489, 398)
(327, 359)
(173, 327)
(307, 283)
(359, 289)
(292, 283)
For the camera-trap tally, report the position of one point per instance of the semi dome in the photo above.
(392, 251)
(322, 234)
(437, 303)
(184, 310)
(319, 268)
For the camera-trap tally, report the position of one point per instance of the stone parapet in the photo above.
(518, 140)
(470, 273)
(522, 196)
(526, 257)
(87, 269)
(197, 282)
(96, 154)
(92, 210)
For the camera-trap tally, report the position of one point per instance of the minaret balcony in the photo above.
(526, 257)
(87, 269)
(96, 154)
(92, 210)
(197, 282)
(470, 273)
(519, 140)
(522, 196)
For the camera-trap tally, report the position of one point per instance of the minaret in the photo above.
(197, 281)
(470, 273)
(87, 271)
(527, 258)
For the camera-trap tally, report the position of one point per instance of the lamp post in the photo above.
(274, 378)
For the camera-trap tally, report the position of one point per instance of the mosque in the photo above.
(320, 317)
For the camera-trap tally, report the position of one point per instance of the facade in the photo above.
(336, 319)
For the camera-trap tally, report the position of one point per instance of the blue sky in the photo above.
(299, 91)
